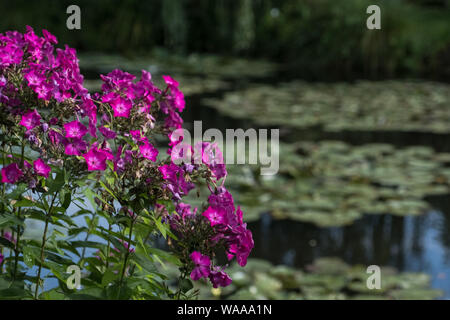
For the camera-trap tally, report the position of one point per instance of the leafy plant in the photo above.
(88, 168)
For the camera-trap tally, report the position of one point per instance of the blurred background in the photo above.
(364, 119)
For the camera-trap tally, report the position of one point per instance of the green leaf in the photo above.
(56, 184)
(6, 243)
(161, 227)
(57, 258)
(91, 196)
(141, 244)
(89, 294)
(87, 244)
(57, 269)
(28, 255)
(144, 263)
(109, 277)
(108, 190)
(165, 255)
(27, 203)
(52, 295)
(10, 220)
(67, 200)
(13, 293)
(18, 192)
(186, 285)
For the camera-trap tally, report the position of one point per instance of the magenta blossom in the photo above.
(170, 81)
(224, 200)
(26, 164)
(149, 151)
(107, 133)
(121, 107)
(75, 147)
(33, 78)
(184, 210)
(44, 91)
(215, 216)
(8, 236)
(95, 159)
(219, 278)
(11, 173)
(49, 37)
(137, 135)
(175, 180)
(75, 129)
(31, 120)
(10, 54)
(243, 246)
(202, 266)
(41, 168)
(126, 246)
(55, 137)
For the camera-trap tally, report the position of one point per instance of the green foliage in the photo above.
(73, 215)
(316, 37)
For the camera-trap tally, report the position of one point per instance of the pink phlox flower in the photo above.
(75, 129)
(49, 37)
(148, 151)
(219, 278)
(122, 107)
(107, 133)
(11, 173)
(202, 266)
(31, 120)
(96, 159)
(41, 168)
(215, 215)
(75, 147)
(175, 180)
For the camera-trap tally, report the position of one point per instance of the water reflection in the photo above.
(408, 243)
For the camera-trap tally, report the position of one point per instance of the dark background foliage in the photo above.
(316, 39)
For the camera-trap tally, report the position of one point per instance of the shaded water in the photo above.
(410, 243)
(419, 244)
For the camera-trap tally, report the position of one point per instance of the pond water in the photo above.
(417, 244)
(411, 243)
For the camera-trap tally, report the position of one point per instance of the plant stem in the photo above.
(88, 234)
(127, 254)
(108, 246)
(41, 259)
(16, 249)
(3, 194)
(44, 239)
(133, 268)
(1, 252)
(182, 276)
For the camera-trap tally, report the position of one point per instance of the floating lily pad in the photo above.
(331, 183)
(328, 278)
(365, 105)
